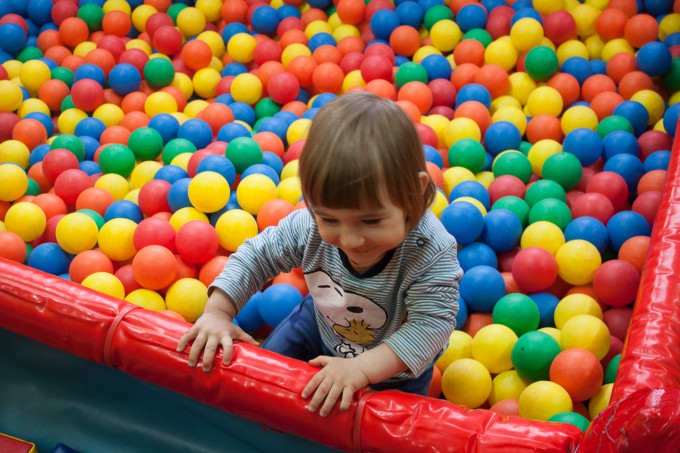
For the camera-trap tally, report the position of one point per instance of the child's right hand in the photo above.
(210, 331)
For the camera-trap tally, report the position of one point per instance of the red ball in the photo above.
(12, 247)
(211, 269)
(647, 205)
(127, 278)
(154, 267)
(506, 185)
(168, 40)
(87, 94)
(616, 283)
(427, 135)
(70, 184)
(153, 197)
(283, 87)
(87, 263)
(154, 231)
(506, 407)
(593, 205)
(611, 185)
(58, 161)
(617, 320)
(7, 122)
(559, 27)
(443, 92)
(578, 371)
(651, 141)
(376, 67)
(534, 269)
(615, 348)
(196, 242)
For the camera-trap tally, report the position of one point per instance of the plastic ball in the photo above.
(612, 368)
(481, 288)
(196, 242)
(507, 385)
(154, 267)
(625, 225)
(154, 231)
(234, 227)
(616, 283)
(577, 261)
(586, 332)
(88, 262)
(12, 247)
(187, 296)
(459, 347)
(278, 302)
(551, 210)
(125, 209)
(27, 220)
(105, 283)
(466, 382)
(518, 312)
(116, 239)
(634, 251)
(14, 182)
(476, 254)
(208, 191)
(467, 153)
(534, 269)
(541, 63)
(543, 234)
(146, 298)
(464, 221)
(492, 345)
(533, 354)
(501, 136)
(76, 233)
(563, 168)
(502, 230)
(117, 158)
(542, 400)
(600, 401)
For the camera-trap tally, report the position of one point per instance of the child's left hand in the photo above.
(338, 378)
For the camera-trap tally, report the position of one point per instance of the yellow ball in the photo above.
(26, 220)
(540, 152)
(512, 115)
(526, 33)
(209, 191)
(69, 119)
(508, 385)
(577, 261)
(234, 227)
(426, 51)
(254, 191)
(577, 117)
(572, 48)
(184, 83)
(485, 178)
(185, 215)
(210, 9)
(84, 48)
(191, 21)
(146, 298)
(117, 5)
(33, 105)
(492, 347)
(653, 102)
(545, 100)
(246, 88)
(459, 347)
(292, 51)
(290, 169)
(109, 114)
(439, 204)
(298, 130)
(214, 40)
(14, 182)
(575, 304)
(595, 45)
(454, 176)
(143, 173)
(548, 6)
(353, 79)
(586, 332)
(105, 283)
(460, 128)
(114, 184)
(543, 399)
(556, 334)
(445, 35)
(600, 401)
(344, 31)
(521, 86)
(77, 232)
(187, 296)
(617, 45)
(585, 16)
(11, 96)
(33, 74)
(205, 82)
(543, 234)
(193, 108)
(438, 123)
(140, 15)
(502, 53)
(318, 26)
(473, 201)
(669, 24)
(241, 47)
(159, 102)
(133, 196)
(290, 189)
(466, 382)
(115, 239)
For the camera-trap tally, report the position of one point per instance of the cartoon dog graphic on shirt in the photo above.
(353, 317)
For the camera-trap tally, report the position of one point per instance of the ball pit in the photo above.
(198, 53)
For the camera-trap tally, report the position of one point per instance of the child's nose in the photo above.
(351, 238)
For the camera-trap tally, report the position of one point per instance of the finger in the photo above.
(190, 335)
(320, 361)
(227, 349)
(196, 349)
(319, 396)
(347, 394)
(331, 399)
(246, 338)
(209, 353)
(312, 385)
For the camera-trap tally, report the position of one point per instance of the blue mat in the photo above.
(50, 397)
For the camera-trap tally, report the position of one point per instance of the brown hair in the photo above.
(358, 146)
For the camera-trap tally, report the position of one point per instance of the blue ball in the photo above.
(232, 29)
(276, 126)
(262, 169)
(471, 16)
(520, 4)
(672, 40)
(589, 229)
(383, 22)
(654, 58)
(670, 119)
(578, 67)
(502, 230)
(620, 142)
(285, 11)
(178, 195)
(624, 225)
(658, 7)
(90, 167)
(38, 154)
(123, 209)
(170, 173)
(225, 98)
(286, 116)
(462, 315)
(49, 257)
(321, 39)
(527, 11)
(310, 113)
(474, 190)
(90, 71)
(473, 92)
(463, 221)
(437, 67)
(272, 160)
(477, 254)
(265, 19)
(427, 4)
(481, 287)
(218, 164)
(634, 112)
(166, 125)
(410, 13)
(321, 4)
(249, 318)
(277, 302)
(501, 136)
(124, 78)
(39, 11)
(91, 146)
(323, 99)
(658, 160)
(233, 69)
(12, 38)
(230, 131)
(585, 144)
(490, 5)
(90, 127)
(433, 156)
(598, 66)
(629, 167)
(546, 303)
(197, 132)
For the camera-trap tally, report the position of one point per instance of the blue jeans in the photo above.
(298, 337)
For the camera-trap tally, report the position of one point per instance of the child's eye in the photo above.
(328, 220)
(372, 221)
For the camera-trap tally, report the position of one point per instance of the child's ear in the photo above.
(424, 180)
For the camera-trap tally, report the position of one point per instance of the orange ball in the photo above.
(327, 78)
(464, 75)
(510, 283)
(544, 126)
(313, 14)
(327, 53)
(629, 7)
(476, 321)
(48, 39)
(231, 11)
(436, 174)
(293, 36)
(476, 111)
(633, 82)
(102, 58)
(57, 53)
(115, 134)
(35, 172)
(73, 31)
(469, 51)
(494, 78)
(293, 278)
(351, 11)
(610, 24)
(619, 65)
(196, 54)
(30, 132)
(297, 107)
(411, 110)
(418, 93)
(211, 269)
(12, 247)
(154, 267)
(87, 263)
(641, 29)
(567, 86)
(382, 88)
(578, 371)
(303, 68)
(268, 69)
(604, 103)
(133, 102)
(116, 23)
(652, 181)
(269, 141)
(595, 85)
(634, 250)
(351, 44)
(272, 212)
(405, 40)
(134, 120)
(52, 93)
(95, 199)
(51, 204)
(435, 388)
(216, 115)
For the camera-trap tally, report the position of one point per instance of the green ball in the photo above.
(613, 123)
(29, 249)
(146, 143)
(467, 153)
(67, 103)
(543, 189)
(175, 147)
(533, 354)
(541, 63)
(33, 188)
(244, 152)
(435, 14)
(63, 74)
(572, 418)
(671, 79)
(117, 158)
(551, 210)
(612, 368)
(516, 205)
(159, 72)
(479, 34)
(29, 53)
(518, 312)
(266, 107)
(71, 143)
(174, 11)
(512, 163)
(92, 14)
(525, 147)
(94, 215)
(563, 168)
(410, 72)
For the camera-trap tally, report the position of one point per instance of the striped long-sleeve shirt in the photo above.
(408, 300)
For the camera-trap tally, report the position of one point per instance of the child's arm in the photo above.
(340, 378)
(213, 328)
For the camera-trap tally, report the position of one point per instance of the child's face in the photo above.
(365, 235)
